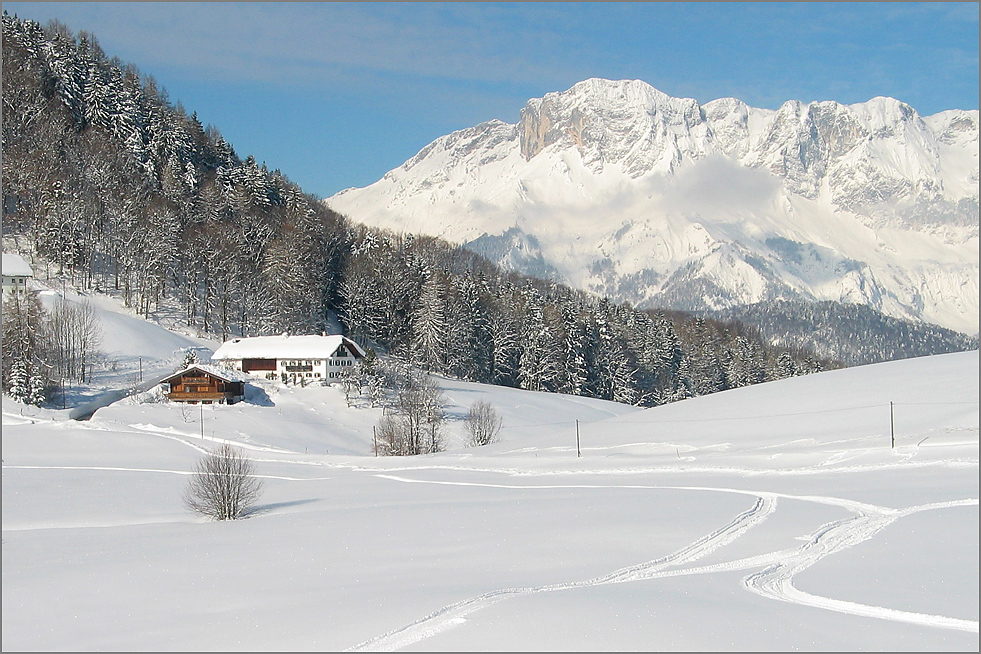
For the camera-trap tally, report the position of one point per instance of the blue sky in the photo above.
(337, 94)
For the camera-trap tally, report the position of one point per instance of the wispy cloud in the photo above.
(307, 43)
(764, 53)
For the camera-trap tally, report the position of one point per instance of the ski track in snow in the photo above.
(182, 436)
(455, 614)
(774, 582)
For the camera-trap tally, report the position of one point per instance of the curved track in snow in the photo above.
(775, 581)
(455, 613)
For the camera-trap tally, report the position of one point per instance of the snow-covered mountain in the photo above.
(619, 189)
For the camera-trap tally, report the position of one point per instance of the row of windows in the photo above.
(314, 375)
(315, 362)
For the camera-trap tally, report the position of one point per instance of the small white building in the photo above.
(16, 272)
(293, 358)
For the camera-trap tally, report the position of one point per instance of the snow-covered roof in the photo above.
(283, 347)
(221, 373)
(14, 264)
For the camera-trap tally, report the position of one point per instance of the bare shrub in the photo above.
(483, 423)
(224, 485)
(394, 436)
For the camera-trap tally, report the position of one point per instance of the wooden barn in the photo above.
(205, 384)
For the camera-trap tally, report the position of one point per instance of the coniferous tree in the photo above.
(18, 381)
(505, 340)
(429, 326)
(37, 388)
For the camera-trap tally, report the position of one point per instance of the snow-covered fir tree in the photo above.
(19, 382)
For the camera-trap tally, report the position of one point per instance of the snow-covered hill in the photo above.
(773, 517)
(617, 188)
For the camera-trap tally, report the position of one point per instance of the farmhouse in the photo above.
(205, 384)
(16, 272)
(295, 359)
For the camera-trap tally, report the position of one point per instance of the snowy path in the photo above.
(184, 473)
(774, 582)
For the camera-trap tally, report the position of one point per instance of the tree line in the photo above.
(109, 184)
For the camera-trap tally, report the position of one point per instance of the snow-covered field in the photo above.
(773, 517)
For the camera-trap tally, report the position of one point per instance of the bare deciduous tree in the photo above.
(224, 485)
(351, 384)
(77, 333)
(483, 422)
(417, 416)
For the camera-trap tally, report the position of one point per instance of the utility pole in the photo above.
(202, 420)
(892, 427)
(374, 438)
(141, 369)
(578, 451)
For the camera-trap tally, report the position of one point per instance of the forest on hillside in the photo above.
(122, 191)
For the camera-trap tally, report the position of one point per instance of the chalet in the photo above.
(205, 384)
(16, 272)
(295, 359)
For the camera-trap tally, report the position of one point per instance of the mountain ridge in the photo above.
(660, 201)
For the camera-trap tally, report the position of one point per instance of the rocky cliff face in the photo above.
(619, 189)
